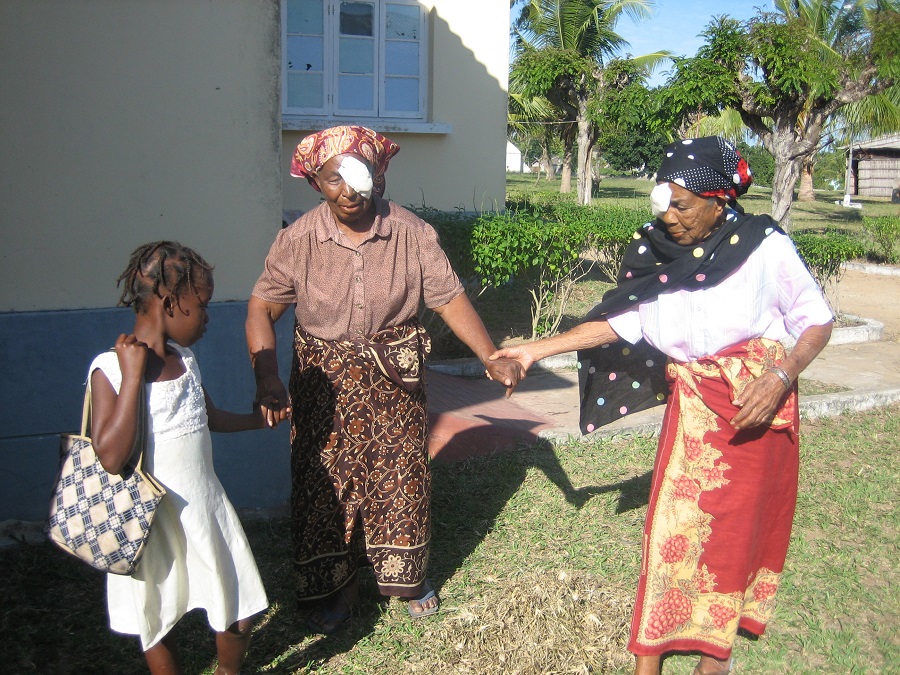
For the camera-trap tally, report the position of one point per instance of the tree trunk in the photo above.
(545, 165)
(546, 161)
(786, 174)
(585, 145)
(565, 174)
(806, 193)
(789, 160)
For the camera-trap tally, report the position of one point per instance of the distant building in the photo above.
(875, 166)
(514, 162)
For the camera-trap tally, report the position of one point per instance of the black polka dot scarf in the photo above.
(619, 379)
(708, 166)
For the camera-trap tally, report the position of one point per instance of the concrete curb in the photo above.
(868, 268)
(472, 367)
(870, 330)
(832, 405)
(811, 407)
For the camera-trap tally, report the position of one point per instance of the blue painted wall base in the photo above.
(47, 355)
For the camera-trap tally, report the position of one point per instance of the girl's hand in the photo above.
(132, 354)
(272, 400)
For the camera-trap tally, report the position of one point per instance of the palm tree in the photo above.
(533, 118)
(872, 116)
(562, 46)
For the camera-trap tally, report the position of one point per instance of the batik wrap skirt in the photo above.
(721, 509)
(361, 486)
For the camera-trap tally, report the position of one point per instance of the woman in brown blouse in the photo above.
(357, 268)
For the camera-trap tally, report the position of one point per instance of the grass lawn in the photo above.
(823, 213)
(536, 554)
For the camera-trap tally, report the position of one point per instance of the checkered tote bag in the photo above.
(102, 518)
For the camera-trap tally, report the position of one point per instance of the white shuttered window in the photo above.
(355, 58)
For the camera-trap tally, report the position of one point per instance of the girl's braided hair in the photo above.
(161, 264)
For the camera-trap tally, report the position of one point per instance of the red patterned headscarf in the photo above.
(708, 166)
(318, 148)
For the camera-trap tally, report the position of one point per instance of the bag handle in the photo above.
(140, 437)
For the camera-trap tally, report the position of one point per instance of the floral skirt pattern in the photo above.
(361, 486)
(721, 509)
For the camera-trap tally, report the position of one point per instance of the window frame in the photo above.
(329, 112)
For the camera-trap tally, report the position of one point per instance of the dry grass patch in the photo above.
(538, 622)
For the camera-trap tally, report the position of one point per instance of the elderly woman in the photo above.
(715, 291)
(357, 268)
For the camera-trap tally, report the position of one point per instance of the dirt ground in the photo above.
(872, 296)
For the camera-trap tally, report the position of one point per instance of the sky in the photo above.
(675, 25)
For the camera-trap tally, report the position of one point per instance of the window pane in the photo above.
(401, 58)
(305, 16)
(402, 22)
(305, 53)
(357, 18)
(402, 93)
(356, 93)
(304, 90)
(357, 56)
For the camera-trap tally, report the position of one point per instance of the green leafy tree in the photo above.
(563, 47)
(760, 161)
(630, 138)
(788, 73)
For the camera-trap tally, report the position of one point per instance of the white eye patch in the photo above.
(356, 175)
(660, 196)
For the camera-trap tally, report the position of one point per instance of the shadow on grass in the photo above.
(54, 616)
(469, 496)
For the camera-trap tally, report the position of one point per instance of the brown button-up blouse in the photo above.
(344, 291)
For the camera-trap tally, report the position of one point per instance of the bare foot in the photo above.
(334, 610)
(425, 605)
(710, 666)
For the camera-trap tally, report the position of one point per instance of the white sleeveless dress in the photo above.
(197, 555)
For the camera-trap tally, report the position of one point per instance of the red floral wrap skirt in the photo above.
(361, 486)
(721, 509)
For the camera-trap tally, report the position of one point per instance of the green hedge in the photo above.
(825, 252)
(885, 234)
(548, 245)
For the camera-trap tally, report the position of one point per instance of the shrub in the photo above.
(549, 245)
(455, 232)
(454, 229)
(885, 233)
(613, 228)
(544, 241)
(825, 253)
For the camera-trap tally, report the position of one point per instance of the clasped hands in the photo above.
(272, 400)
(508, 367)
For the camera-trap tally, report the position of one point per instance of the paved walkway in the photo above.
(470, 416)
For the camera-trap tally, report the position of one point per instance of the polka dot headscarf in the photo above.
(708, 166)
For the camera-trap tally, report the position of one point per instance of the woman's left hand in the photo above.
(759, 401)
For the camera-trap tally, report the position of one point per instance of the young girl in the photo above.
(197, 555)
